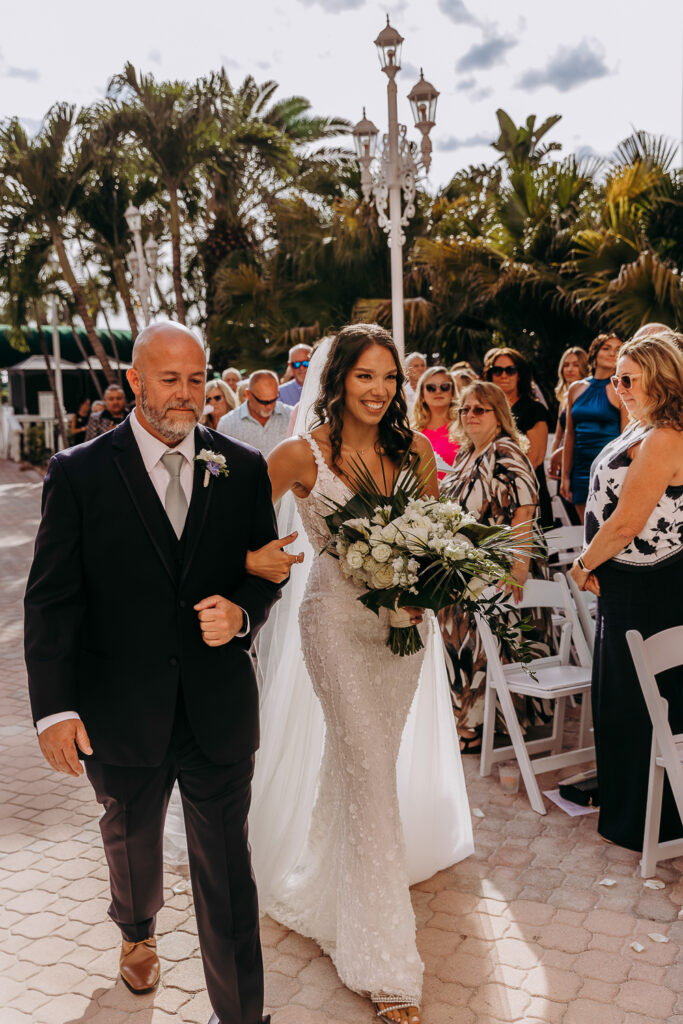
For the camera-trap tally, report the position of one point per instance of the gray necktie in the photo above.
(175, 501)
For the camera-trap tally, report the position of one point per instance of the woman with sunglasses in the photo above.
(633, 562)
(495, 481)
(434, 410)
(595, 416)
(508, 368)
(220, 400)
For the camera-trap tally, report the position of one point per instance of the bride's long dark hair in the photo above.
(395, 436)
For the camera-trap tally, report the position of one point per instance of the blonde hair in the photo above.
(661, 362)
(225, 390)
(421, 414)
(492, 395)
(562, 387)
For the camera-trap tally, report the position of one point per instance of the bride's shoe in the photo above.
(408, 1013)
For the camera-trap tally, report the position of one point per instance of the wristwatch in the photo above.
(582, 566)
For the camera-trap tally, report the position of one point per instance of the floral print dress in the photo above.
(493, 486)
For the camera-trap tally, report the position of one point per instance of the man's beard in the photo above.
(157, 417)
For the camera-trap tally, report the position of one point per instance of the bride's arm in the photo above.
(427, 464)
(291, 462)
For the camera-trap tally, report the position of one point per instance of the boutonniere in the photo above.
(214, 464)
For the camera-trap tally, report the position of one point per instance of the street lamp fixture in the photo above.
(140, 259)
(389, 43)
(399, 163)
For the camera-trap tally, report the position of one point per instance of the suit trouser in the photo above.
(215, 804)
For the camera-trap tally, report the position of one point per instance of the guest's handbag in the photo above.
(581, 789)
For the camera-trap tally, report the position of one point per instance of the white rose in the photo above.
(359, 525)
(417, 540)
(383, 577)
(475, 588)
(354, 558)
(389, 533)
(381, 553)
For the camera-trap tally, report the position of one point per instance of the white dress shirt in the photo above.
(151, 449)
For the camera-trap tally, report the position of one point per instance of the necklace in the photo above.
(358, 451)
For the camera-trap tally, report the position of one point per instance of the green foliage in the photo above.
(35, 449)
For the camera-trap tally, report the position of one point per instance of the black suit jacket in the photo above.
(110, 630)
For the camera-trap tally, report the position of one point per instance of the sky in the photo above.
(607, 66)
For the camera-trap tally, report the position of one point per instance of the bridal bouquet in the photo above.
(410, 551)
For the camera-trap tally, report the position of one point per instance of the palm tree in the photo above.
(42, 176)
(173, 123)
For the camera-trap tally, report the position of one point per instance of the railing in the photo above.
(13, 428)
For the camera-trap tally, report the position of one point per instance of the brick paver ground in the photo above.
(521, 931)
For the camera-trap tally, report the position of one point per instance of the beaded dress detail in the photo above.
(350, 890)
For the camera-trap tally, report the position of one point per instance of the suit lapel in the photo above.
(128, 461)
(199, 505)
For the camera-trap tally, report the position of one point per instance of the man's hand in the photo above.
(220, 620)
(58, 744)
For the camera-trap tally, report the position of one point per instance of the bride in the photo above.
(338, 830)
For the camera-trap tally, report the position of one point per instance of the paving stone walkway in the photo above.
(521, 931)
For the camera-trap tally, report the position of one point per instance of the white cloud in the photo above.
(569, 67)
(487, 54)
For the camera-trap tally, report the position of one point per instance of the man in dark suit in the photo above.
(158, 685)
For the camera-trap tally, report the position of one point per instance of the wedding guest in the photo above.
(97, 406)
(299, 358)
(462, 378)
(495, 481)
(232, 377)
(573, 366)
(220, 400)
(79, 422)
(595, 416)
(263, 420)
(114, 412)
(434, 410)
(414, 365)
(633, 561)
(510, 370)
(242, 391)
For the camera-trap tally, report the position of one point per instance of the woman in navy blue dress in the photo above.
(595, 416)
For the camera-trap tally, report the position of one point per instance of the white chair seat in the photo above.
(557, 681)
(678, 745)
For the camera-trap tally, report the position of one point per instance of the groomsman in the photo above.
(158, 685)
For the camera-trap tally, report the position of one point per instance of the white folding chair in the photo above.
(586, 605)
(657, 654)
(555, 679)
(566, 542)
(559, 511)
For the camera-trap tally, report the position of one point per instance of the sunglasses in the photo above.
(626, 380)
(509, 371)
(216, 398)
(262, 401)
(475, 410)
(431, 388)
(299, 363)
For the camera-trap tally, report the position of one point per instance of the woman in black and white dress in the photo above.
(633, 562)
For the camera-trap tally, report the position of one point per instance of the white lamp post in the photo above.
(139, 258)
(399, 164)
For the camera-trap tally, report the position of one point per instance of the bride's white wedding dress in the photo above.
(358, 790)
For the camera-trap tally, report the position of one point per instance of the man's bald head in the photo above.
(168, 378)
(156, 338)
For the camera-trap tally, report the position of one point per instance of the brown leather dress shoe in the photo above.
(139, 965)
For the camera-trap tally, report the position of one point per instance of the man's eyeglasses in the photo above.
(626, 380)
(498, 371)
(431, 388)
(475, 410)
(299, 363)
(263, 401)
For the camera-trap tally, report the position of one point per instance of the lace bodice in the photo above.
(315, 507)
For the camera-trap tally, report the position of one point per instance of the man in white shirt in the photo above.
(158, 686)
(261, 421)
(414, 365)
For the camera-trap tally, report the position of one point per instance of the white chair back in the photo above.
(584, 602)
(657, 654)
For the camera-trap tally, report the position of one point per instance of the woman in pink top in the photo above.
(434, 411)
